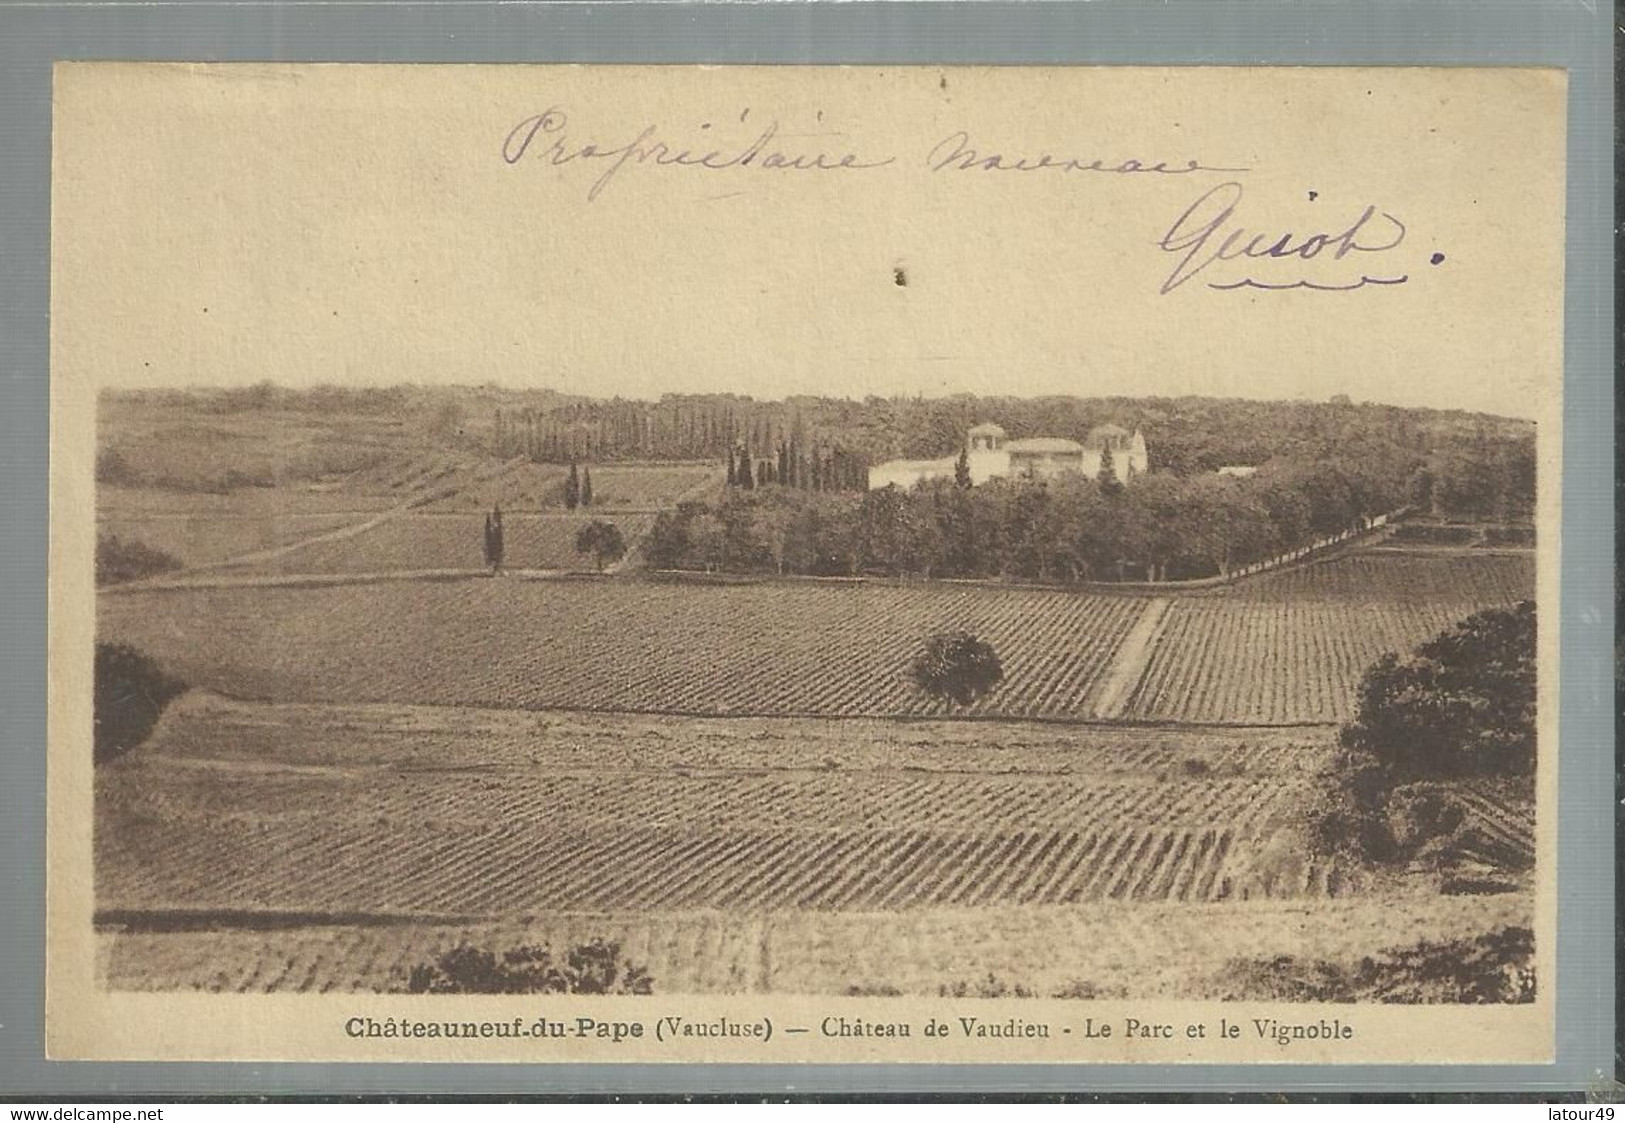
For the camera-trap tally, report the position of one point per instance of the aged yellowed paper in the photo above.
(804, 563)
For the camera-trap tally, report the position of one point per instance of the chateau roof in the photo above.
(1043, 444)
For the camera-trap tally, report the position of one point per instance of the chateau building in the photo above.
(991, 455)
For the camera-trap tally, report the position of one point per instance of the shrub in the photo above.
(1462, 705)
(1418, 813)
(990, 987)
(1495, 967)
(119, 560)
(130, 693)
(592, 968)
(958, 667)
(1090, 991)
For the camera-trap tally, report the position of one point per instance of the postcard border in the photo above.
(1187, 32)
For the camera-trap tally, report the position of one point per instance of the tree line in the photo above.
(1188, 435)
(793, 466)
(1065, 529)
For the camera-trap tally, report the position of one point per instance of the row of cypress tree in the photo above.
(578, 488)
(833, 470)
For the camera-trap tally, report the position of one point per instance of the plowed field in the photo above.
(416, 811)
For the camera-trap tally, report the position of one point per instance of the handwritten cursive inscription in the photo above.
(543, 137)
(1361, 282)
(955, 153)
(1208, 232)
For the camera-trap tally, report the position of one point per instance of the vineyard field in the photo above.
(728, 855)
(834, 650)
(1291, 647)
(1245, 655)
(649, 487)
(1382, 575)
(616, 488)
(137, 505)
(200, 540)
(414, 542)
(496, 813)
(212, 528)
(1231, 661)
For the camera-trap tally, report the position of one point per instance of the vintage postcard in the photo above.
(665, 563)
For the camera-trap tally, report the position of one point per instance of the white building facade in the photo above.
(992, 456)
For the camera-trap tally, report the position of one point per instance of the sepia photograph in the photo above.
(871, 539)
(475, 689)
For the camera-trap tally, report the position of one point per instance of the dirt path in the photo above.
(419, 498)
(1132, 657)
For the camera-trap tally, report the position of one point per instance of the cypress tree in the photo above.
(586, 487)
(572, 489)
(745, 480)
(962, 469)
(1109, 483)
(733, 475)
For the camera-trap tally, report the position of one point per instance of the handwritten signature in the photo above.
(543, 137)
(1208, 232)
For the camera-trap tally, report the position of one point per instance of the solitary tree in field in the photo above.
(957, 666)
(493, 539)
(603, 541)
(586, 487)
(572, 489)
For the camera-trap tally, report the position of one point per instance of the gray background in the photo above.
(1573, 34)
